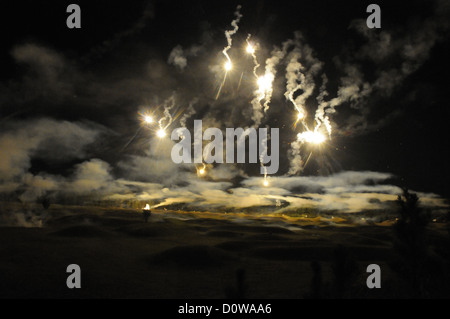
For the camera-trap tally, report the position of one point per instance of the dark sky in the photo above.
(103, 73)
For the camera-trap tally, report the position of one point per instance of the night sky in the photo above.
(70, 100)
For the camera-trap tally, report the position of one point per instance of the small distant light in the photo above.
(266, 183)
(228, 66)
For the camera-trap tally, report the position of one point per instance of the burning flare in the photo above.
(148, 119)
(265, 83)
(250, 49)
(228, 66)
(201, 171)
(312, 137)
(161, 133)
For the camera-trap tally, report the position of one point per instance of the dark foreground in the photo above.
(187, 255)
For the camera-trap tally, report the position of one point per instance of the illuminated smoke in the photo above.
(228, 65)
(265, 82)
(229, 34)
(295, 158)
(301, 70)
(167, 119)
(251, 49)
(295, 79)
(177, 58)
(261, 157)
(300, 75)
(189, 112)
(321, 116)
(270, 72)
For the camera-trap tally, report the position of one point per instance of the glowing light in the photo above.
(265, 82)
(227, 66)
(148, 119)
(201, 171)
(266, 183)
(300, 116)
(313, 137)
(250, 49)
(147, 207)
(161, 133)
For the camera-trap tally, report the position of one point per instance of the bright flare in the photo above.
(313, 137)
(300, 116)
(147, 207)
(250, 49)
(161, 133)
(148, 119)
(201, 171)
(265, 82)
(227, 66)
(266, 183)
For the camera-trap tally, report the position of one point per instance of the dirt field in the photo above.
(196, 255)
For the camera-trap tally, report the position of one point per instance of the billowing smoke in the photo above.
(265, 83)
(189, 112)
(177, 57)
(230, 33)
(301, 77)
(167, 119)
(251, 49)
(46, 139)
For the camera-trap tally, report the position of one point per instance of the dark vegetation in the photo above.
(420, 261)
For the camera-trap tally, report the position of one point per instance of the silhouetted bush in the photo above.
(420, 272)
(411, 223)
